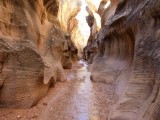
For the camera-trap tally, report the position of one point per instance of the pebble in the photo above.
(18, 116)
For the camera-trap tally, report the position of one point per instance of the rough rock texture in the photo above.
(33, 49)
(129, 56)
(69, 23)
(91, 48)
(79, 40)
(108, 12)
(94, 5)
(76, 36)
(76, 99)
(68, 9)
(69, 53)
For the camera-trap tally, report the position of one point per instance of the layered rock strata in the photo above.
(128, 56)
(33, 50)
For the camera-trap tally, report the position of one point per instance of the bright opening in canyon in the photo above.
(79, 59)
(85, 30)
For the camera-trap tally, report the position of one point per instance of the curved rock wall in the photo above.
(68, 9)
(140, 100)
(33, 49)
(91, 48)
(67, 15)
(128, 56)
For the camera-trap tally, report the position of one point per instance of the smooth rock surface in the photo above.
(128, 57)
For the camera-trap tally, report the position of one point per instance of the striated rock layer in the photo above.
(128, 56)
(91, 48)
(33, 50)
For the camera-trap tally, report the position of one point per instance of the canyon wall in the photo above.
(128, 57)
(68, 12)
(34, 49)
(91, 48)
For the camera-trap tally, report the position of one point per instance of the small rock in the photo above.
(45, 104)
(18, 116)
(34, 116)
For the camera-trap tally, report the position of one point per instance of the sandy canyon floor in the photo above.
(76, 99)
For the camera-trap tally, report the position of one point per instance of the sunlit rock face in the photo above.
(94, 5)
(79, 40)
(33, 49)
(70, 24)
(128, 56)
(94, 22)
(107, 9)
(92, 48)
(67, 11)
(76, 36)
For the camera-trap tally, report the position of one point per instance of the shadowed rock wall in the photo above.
(91, 48)
(128, 56)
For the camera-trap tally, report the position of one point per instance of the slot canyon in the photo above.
(79, 59)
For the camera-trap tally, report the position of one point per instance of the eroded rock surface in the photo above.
(91, 48)
(69, 9)
(33, 50)
(76, 99)
(128, 56)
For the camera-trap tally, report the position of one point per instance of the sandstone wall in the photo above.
(128, 56)
(33, 49)
(91, 48)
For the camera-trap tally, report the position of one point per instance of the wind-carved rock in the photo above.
(69, 53)
(91, 49)
(69, 23)
(32, 48)
(67, 12)
(141, 98)
(77, 37)
(128, 57)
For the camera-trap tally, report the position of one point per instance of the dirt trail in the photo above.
(76, 99)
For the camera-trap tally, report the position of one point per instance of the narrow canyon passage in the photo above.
(42, 47)
(76, 99)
